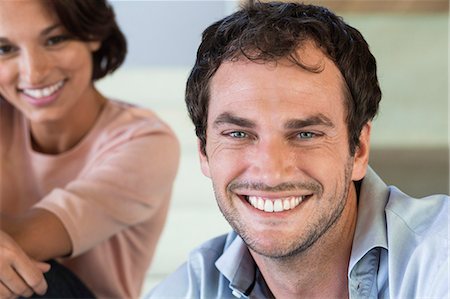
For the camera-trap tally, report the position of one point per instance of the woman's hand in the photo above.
(19, 275)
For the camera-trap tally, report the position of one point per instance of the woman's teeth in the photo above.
(275, 205)
(43, 92)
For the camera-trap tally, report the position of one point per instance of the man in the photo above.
(282, 97)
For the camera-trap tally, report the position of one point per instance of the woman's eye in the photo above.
(56, 40)
(6, 49)
(306, 135)
(237, 134)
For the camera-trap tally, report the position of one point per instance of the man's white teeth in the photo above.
(268, 206)
(275, 205)
(43, 92)
(286, 205)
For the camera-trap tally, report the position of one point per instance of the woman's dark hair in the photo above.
(268, 32)
(93, 20)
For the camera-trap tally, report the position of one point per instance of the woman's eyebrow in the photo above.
(49, 29)
(44, 32)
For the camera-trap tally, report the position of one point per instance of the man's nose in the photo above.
(273, 162)
(34, 66)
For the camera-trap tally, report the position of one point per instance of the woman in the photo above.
(84, 179)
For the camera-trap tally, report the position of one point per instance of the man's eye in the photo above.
(6, 49)
(306, 135)
(56, 40)
(237, 134)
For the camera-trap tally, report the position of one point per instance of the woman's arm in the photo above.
(39, 233)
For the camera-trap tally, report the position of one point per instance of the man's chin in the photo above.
(272, 246)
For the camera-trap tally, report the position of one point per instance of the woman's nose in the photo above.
(34, 66)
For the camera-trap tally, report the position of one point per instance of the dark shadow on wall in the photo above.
(416, 171)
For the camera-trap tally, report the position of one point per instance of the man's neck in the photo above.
(321, 270)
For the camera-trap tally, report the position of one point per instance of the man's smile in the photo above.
(275, 205)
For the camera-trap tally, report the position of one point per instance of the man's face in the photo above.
(277, 151)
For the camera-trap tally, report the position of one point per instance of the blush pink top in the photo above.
(111, 191)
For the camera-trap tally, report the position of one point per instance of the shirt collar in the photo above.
(237, 265)
(370, 229)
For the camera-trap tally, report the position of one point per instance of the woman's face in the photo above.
(44, 71)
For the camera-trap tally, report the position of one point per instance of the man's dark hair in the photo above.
(268, 32)
(93, 20)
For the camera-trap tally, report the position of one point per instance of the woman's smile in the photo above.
(43, 96)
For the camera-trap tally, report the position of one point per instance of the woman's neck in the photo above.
(61, 135)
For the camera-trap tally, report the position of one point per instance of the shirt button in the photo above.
(236, 294)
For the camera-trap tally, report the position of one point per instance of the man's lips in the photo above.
(271, 205)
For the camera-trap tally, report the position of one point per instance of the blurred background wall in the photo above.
(409, 39)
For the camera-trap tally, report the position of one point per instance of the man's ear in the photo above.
(203, 159)
(361, 158)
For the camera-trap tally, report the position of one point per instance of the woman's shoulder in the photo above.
(121, 123)
(130, 117)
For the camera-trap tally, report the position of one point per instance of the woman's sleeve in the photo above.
(123, 186)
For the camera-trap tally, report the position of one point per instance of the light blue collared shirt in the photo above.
(400, 250)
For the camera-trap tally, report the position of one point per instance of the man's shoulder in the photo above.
(198, 277)
(418, 238)
(423, 217)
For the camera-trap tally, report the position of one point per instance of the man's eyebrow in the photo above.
(319, 119)
(228, 118)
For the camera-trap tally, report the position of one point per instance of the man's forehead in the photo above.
(239, 81)
(247, 89)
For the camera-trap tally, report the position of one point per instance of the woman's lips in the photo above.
(42, 96)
